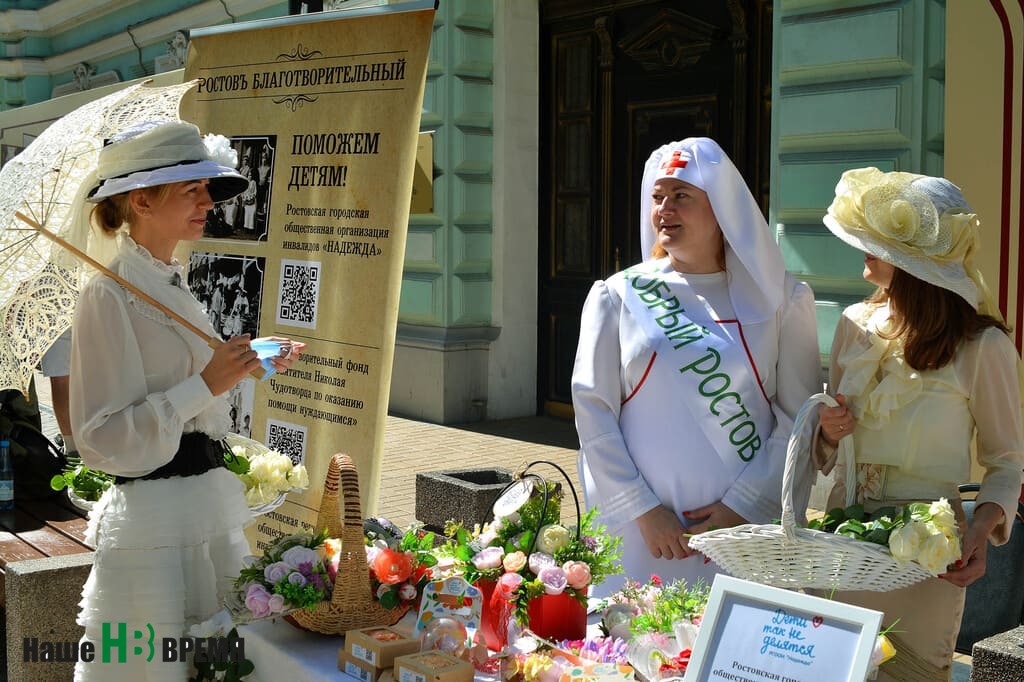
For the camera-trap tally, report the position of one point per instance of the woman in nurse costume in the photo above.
(690, 369)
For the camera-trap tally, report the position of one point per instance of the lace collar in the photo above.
(174, 272)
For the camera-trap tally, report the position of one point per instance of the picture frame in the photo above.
(763, 632)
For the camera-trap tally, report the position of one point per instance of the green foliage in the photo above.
(674, 602)
(854, 522)
(89, 484)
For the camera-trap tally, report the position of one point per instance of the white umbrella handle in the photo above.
(211, 341)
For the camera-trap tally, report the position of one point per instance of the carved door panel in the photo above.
(619, 78)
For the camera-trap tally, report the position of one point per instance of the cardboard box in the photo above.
(378, 645)
(361, 670)
(432, 666)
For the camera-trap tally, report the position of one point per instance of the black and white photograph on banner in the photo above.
(241, 397)
(231, 288)
(245, 216)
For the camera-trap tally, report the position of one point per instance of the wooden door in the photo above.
(618, 79)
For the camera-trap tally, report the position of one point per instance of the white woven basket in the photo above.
(792, 557)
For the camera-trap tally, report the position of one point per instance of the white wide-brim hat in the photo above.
(923, 225)
(158, 153)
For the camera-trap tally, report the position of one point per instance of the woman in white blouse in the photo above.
(690, 368)
(148, 403)
(921, 369)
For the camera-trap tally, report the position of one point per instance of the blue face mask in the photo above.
(267, 349)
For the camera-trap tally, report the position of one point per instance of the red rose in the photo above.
(391, 567)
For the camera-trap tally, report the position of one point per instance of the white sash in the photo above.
(715, 378)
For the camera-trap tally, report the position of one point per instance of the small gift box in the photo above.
(361, 670)
(432, 666)
(379, 646)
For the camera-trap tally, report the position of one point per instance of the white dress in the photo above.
(165, 549)
(641, 446)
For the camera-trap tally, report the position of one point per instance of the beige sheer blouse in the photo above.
(914, 431)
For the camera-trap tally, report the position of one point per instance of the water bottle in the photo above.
(6, 476)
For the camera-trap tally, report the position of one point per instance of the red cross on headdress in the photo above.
(668, 168)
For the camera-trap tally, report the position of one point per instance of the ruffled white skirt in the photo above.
(166, 552)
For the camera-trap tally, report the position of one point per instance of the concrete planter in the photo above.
(464, 495)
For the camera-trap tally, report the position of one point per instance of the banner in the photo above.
(323, 110)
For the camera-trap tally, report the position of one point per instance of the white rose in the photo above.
(936, 553)
(552, 538)
(905, 542)
(943, 517)
(298, 477)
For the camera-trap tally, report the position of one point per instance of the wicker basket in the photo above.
(352, 604)
(792, 557)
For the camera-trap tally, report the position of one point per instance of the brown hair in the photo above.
(114, 211)
(932, 321)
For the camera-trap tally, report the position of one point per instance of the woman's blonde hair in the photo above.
(115, 211)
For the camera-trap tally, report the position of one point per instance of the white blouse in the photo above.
(135, 386)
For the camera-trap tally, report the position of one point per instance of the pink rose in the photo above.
(577, 574)
(508, 583)
(257, 600)
(487, 558)
(553, 579)
(276, 603)
(407, 592)
(514, 562)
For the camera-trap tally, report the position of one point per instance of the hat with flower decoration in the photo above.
(161, 152)
(923, 225)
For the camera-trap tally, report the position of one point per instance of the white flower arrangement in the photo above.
(267, 474)
(922, 532)
(219, 150)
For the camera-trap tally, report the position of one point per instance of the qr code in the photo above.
(288, 439)
(300, 291)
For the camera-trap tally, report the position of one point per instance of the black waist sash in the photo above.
(197, 453)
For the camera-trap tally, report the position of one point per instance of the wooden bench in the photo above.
(37, 529)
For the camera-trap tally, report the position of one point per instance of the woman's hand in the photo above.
(974, 550)
(664, 534)
(231, 362)
(711, 517)
(290, 352)
(836, 422)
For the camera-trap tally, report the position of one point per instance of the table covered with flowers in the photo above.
(507, 573)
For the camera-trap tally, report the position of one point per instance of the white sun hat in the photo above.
(161, 152)
(923, 225)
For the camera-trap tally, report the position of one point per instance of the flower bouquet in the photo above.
(267, 474)
(290, 575)
(662, 621)
(400, 562)
(531, 567)
(920, 532)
